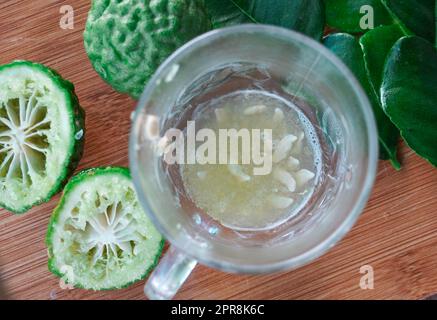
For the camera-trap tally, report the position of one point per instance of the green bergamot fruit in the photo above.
(127, 40)
(41, 134)
(99, 236)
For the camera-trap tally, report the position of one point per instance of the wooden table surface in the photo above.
(396, 234)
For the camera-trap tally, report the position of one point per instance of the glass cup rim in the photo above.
(371, 160)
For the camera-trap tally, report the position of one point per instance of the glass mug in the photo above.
(292, 66)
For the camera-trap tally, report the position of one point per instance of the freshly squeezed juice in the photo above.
(236, 194)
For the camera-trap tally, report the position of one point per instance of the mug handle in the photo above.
(171, 272)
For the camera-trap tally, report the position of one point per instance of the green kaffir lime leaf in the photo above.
(409, 94)
(348, 15)
(376, 45)
(306, 16)
(348, 49)
(414, 16)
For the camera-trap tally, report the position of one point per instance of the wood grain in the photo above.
(396, 235)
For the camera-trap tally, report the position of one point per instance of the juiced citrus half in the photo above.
(99, 237)
(41, 134)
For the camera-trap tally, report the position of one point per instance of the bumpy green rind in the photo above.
(77, 122)
(126, 41)
(76, 180)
